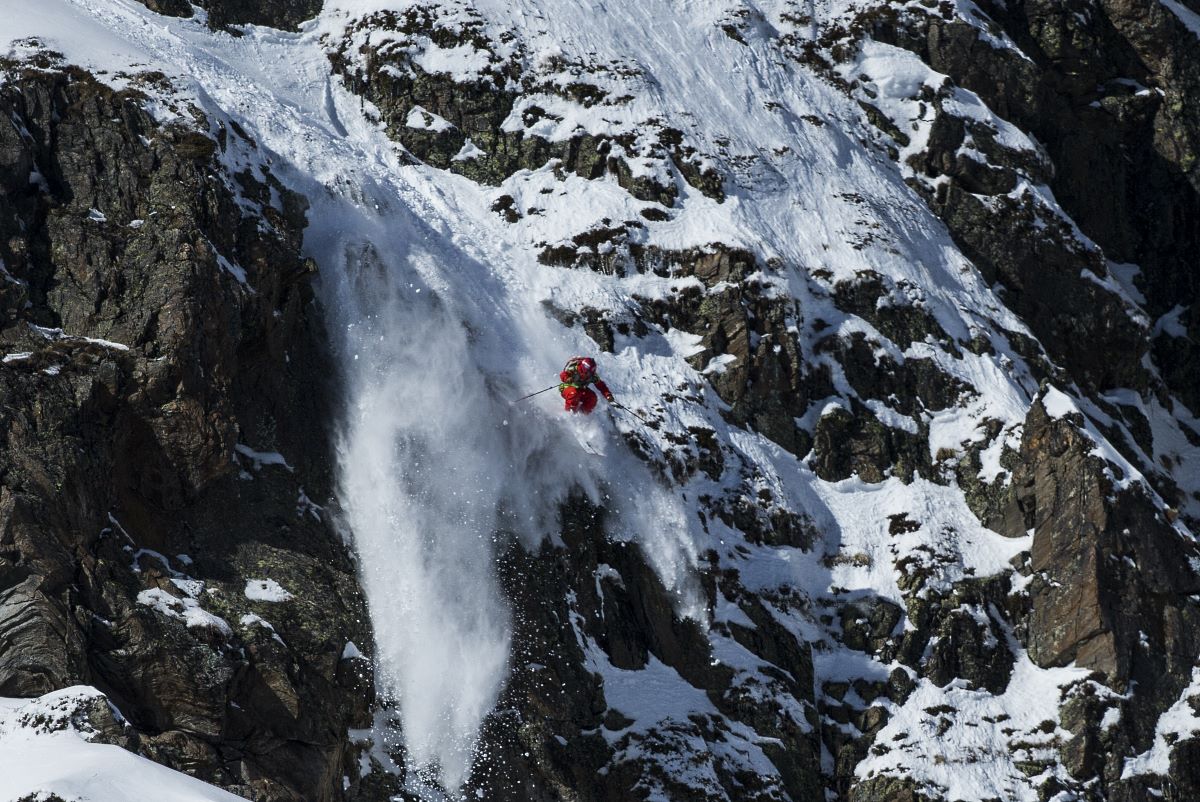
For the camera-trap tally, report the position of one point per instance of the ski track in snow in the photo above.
(436, 308)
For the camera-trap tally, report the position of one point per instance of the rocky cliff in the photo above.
(902, 301)
(160, 341)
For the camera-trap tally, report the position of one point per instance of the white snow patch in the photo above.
(727, 612)
(1058, 404)
(972, 750)
(1110, 719)
(719, 364)
(186, 609)
(651, 696)
(684, 344)
(1179, 722)
(59, 334)
(423, 120)
(266, 590)
(235, 270)
(261, 458)
(891, 418)
(1170, 324)
(467, 152)
(46, 749)
(946, 540)
(252, 620)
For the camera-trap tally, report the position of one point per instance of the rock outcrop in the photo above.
(163, 421)
(1111, 95)
(486, 122)
(227, 14)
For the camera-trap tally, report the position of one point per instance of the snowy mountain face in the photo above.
(899, 300)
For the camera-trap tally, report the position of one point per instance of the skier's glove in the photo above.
(608, 397)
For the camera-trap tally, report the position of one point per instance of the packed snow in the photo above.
(967, 744)
(48, 747)
(266, 590)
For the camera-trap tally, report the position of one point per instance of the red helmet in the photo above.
(585, 366)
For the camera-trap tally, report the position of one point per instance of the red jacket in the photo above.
(570, 380)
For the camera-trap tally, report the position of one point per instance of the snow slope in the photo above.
(438, 307)
(48, 745)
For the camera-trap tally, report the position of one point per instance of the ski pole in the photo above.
(619, 405)
(531, 395)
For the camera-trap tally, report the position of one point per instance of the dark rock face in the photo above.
(886, 789)
(159, 343)
(284, 14)
(1111, 578)
(567, 733)
(1122, 157)
(170, 8)
(467, 125)
(741, 322)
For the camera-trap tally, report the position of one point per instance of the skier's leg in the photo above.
(587, 400)
(570, 398)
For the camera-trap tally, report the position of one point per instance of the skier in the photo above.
(575, 378)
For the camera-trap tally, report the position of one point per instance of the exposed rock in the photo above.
(749, 337)
(284, 14)
(40, 647)
(1047, 281)
(1087, 606)
(898, 311)
(886, 789)
(622, 607)
(868, 625)
(464, 124)
(846, 443)
(170, 8)
(163, 327)
(1124, 156)
(1109, 590)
